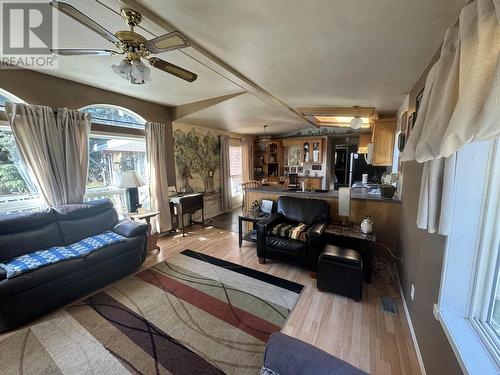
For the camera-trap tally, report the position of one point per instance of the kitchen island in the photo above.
(384, 212)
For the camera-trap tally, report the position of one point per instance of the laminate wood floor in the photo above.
(360, 333)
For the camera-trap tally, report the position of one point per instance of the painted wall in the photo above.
(213, 198)
(43, 89)
(422, 254)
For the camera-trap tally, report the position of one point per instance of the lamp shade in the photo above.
(130, 179)
(344, 201)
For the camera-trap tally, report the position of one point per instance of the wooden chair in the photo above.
(248, 185)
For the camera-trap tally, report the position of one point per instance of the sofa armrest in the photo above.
(262, 227)
(315, 243)
(316, 230)
(129, 228)
(289, 356)
(268, 221)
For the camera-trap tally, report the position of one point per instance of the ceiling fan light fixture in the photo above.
(139, 73)
(123, 69)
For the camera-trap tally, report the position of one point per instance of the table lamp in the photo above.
(345, 205)
(130, 181)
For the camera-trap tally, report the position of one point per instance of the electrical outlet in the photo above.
(412, 292)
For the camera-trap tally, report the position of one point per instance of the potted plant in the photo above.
(389, 185)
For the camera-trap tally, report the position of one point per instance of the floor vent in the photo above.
(389, 305)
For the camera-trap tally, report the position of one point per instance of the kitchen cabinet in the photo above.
(312, 150)
(383, 135)
(364, 139)
(293, 153)
(273, 160)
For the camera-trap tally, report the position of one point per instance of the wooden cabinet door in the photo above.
(364, 139)
(317, 150)
(383, 139)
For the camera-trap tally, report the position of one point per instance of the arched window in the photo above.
(114, 115)
(6, 96)
(113, 153)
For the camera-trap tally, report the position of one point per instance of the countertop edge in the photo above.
(329, 195)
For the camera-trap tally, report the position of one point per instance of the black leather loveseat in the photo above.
(34, 293)
(314, 213)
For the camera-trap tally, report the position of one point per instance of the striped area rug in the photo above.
(193, 314)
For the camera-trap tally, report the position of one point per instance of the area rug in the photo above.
(193, 314)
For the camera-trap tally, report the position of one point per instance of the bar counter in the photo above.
(384, 212)
(355, 194)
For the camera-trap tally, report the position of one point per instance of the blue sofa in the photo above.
(31, 294)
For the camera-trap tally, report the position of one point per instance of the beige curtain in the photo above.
(225, 173)
(156, 149)
(460, 105)
(56, 152)
(247, 159)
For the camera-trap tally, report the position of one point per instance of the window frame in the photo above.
(140, 120)
(468, 271)
(236, 196)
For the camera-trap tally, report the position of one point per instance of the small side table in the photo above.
(152, 237)
(252, 218)
(352, 237)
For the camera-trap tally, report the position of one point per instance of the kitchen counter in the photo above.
(384, 212)
(277, 189)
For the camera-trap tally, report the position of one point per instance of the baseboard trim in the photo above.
(412, 331)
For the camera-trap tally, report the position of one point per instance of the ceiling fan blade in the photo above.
(84, 51)
(78, 16)
(168, 42)
(173, 69)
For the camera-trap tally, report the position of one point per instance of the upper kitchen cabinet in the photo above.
(312, 150)
(383, 135)
(364, 139)
(292, 152)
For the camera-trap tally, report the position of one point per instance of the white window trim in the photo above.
(468, 254)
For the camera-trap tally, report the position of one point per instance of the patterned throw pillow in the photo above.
(41, 258)
(290, 231)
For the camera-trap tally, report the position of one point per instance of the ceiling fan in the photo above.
(134, 46)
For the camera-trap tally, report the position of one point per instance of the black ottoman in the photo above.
(340, 271)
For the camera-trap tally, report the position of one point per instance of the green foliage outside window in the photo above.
(11, 181)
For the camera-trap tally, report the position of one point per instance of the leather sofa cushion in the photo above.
(291, 231)
(78, 221)
(25, 232)
(307, 211)
(39, 276)
(286, 245)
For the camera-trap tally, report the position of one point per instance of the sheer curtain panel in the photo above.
(156, 150)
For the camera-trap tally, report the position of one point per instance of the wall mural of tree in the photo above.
(196, 154)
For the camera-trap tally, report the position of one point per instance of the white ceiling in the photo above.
(244, 114)
(306, 53)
